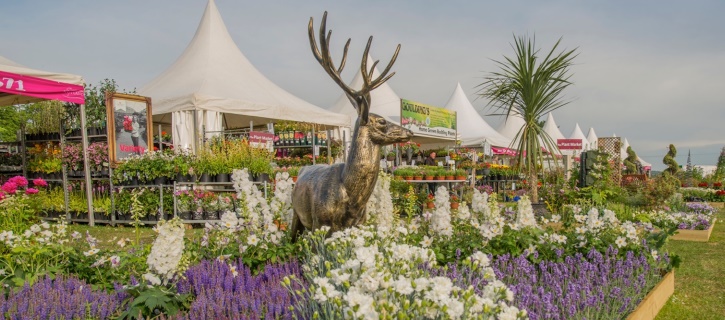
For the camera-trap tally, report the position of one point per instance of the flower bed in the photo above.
(655, 299)
(694, 235)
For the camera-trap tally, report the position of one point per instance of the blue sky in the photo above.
(650, 71)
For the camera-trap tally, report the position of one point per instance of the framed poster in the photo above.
(130, 131)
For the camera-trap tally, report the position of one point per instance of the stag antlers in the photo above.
(359, 98)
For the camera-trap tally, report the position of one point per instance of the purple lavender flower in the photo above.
(220, 294)
(64, 298)
(595, 286)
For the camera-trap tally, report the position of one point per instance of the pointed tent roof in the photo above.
(623, 152)
(552, 129)
(645, 164)
(8, 65)
(510, 127)
(385, 102)
(578, 134)
(592, 139)
(212, 74)
(471, 126)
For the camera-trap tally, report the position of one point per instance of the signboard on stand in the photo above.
(130, 131)
(427, 120)
(262, 140)
(569, 144)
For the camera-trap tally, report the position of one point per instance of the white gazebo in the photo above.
(510, 127)
(215, 81)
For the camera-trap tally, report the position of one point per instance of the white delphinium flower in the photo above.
(525, 213)
(252, 240)
(115, 261)
(479, 205)
(90, 252)
(380, 204)
(441, 217)
(655, 254)
(463, 212)
(555, 218)
(592, 217)
(167, 249)
(282, 201)
(426, 242)
(355, 297)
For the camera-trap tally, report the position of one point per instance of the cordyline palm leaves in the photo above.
(528, 86)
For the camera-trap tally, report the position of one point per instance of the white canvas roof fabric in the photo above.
(578, 134)
(592, 139)
(510, 127)
(552, 129)
(8, 65)
(212, 74)
(472, 128)
(623, 152)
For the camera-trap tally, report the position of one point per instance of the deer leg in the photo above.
(297, 228)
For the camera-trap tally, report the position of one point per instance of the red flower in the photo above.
(31, 191)
(702, 184)
(20, 181)
(39, 182)
(10, 187)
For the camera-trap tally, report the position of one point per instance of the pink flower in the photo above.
(10, 187)
(2, 196)
(31, 191)
(19, 181)
(39, 182)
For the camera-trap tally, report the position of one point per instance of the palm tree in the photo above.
(529, 87)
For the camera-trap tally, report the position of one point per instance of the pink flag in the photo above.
(40, 88)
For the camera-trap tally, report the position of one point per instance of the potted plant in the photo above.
(418, 174)
(450, 175)
(460, 174)
(429, 201)
(293, 172)
(430, 173)
(391, 156)
(455, 201)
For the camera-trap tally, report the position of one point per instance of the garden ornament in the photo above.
(336, 195)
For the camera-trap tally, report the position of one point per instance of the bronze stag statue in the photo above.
(336, 195)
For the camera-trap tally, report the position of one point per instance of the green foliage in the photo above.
(719, 174)
(16, 213)
(10, 123)
(529, 87)
(631, 162)
(669, 160)
(150, 301)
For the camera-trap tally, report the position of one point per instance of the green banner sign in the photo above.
(427, 120)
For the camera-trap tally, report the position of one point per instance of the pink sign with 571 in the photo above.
(40, 88)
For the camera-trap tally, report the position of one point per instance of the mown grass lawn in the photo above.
(700, 279)
(108, 236)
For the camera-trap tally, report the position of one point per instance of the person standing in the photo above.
(135, 134)
(431, 160)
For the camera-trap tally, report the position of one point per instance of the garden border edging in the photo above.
(655, 299)
(694, 235)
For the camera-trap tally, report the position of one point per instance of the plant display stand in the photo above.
(655, 299)
(695, 235)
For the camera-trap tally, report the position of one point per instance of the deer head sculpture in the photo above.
(336, 195)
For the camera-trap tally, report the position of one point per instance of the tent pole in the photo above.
(196, 132)
(87, 167)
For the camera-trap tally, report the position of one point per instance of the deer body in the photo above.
(336, 195)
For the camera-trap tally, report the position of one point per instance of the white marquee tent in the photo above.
(510, 127)
(592, 139)
(552, 129)
(578, 134)
(472, 128)
(212, 76)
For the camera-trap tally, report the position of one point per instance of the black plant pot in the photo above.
(205, 177)
(181, 178)
(211, 215)
(186, 215)
(222, 177)
(160, 181)
(262, 177)
(100, 216)
(133, 181)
